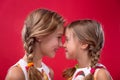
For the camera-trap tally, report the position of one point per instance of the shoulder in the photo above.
(102, 74)
(15, 73)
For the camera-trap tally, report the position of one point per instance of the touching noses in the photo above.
(62, 44)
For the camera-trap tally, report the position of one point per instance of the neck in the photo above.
(38, 56)
(83, 60)
(36, 60)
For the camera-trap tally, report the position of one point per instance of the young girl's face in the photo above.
(71, 44)
(51, 43)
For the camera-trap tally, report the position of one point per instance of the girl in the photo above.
(84, 42)
(41, 36)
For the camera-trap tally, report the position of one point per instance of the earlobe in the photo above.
(38, 39)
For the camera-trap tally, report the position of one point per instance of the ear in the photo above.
(38, 39)
(84, 45)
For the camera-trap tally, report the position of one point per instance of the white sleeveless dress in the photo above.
(81, 72)
(23, 64)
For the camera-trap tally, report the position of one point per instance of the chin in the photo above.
(69, 57)
(52, 55)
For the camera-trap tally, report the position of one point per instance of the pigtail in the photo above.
(94, 54)
(33, 73)
(94, 50)
(68, 73)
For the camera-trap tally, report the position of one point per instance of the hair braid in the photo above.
(68, 73)
(28, 45)
(94, 55)
(94, 50)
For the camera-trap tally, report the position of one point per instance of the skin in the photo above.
(50, 44)
(18, 74)
(103, 74)
(77, 50)
(70, 45)
(46, 46)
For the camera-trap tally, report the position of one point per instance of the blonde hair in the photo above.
(90, 32)
(39, 23)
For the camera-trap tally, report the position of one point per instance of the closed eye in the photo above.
(59, 37)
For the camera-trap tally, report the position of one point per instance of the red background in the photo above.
(13, 13)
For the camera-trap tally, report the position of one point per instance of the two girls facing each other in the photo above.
(41, 37)
(84, 42)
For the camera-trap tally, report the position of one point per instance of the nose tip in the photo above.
(61, 45)
(64, 45)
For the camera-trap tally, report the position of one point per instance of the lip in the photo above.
(66, 50)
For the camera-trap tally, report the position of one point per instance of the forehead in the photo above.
(59, 30)
(68, 32)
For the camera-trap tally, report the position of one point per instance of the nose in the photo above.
(64, 45)
(60, 44)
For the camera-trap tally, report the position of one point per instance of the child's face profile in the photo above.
(71, 44)
(51, 43)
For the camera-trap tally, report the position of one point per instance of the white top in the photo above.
(78, 76)
(23, 64)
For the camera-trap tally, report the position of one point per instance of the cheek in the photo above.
(54, 43)
(71, 47)
(47, 46)
(70, 53)
(48, 50)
